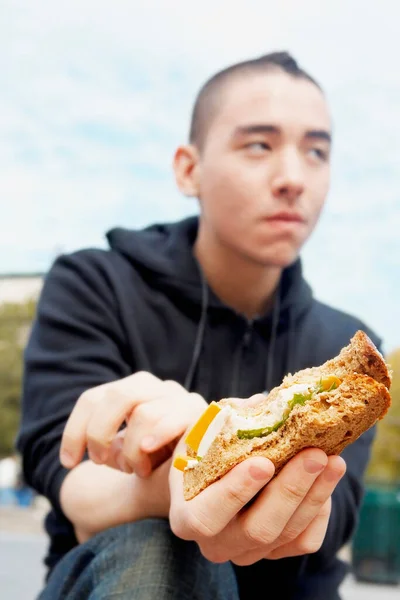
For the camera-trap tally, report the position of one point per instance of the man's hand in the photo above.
(287, 517)
(156, 414)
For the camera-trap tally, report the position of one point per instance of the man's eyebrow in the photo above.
(319, 134)
(243, 130)
(313, 134)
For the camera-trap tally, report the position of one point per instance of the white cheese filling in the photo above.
(229, 419)
(191, 464)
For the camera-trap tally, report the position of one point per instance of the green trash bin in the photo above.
(375, 546)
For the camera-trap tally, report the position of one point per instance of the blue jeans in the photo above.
(139, 561)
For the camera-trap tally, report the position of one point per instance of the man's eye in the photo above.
(258, 146)
(320, 154)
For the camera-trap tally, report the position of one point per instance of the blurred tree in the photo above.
(15, 323)
(384, 466)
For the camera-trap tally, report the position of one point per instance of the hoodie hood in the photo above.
(164, 252)
(163, 249)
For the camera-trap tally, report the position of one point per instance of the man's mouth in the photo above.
(287, 217)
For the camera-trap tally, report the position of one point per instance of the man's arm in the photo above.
(97, 497)
(79, 391)
(77, 342)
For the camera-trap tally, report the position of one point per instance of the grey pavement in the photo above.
(21, 569)
(21, 572)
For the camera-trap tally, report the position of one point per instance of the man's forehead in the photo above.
(273, 97)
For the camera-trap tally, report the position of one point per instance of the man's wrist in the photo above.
(151, 496)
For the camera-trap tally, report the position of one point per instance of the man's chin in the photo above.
(279, 259)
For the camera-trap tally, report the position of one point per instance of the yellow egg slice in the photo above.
(195, 435)
(330, 383)
(181, 462)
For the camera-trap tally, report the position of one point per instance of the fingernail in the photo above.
(331, 475)
(313, 466)
(142, 470)
(121, 464)
(259, 473)
(149, 442)
(99, 455)
(117, 444)
(66, 459)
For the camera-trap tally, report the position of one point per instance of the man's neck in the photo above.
(246, 287)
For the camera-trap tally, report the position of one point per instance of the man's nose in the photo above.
(288, 179)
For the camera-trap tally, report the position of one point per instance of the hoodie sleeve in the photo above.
(76, 343)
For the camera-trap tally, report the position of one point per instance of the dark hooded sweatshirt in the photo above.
(143, 304)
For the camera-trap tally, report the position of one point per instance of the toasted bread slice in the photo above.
(359, 356)
(330, 419)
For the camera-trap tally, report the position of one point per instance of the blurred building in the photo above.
(20, 287)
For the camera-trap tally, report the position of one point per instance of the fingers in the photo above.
(316, 498)
(211, 511)
(98, 414)
(154, 429)
(275, 506)
(73, 443)
(144, 425)
(289, 517)
(106, 419)
(168, 427)
(115, 458)
(254, 542)
(259, 527)
(310, 540)
(307, 542)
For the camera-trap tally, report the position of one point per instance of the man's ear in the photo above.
(186, 168)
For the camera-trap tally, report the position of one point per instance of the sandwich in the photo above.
(326, 407)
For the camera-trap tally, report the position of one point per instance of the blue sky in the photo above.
(96, 95)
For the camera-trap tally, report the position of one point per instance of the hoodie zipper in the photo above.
(247, 336)
(241, 349)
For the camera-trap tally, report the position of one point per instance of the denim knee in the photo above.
(140, 561)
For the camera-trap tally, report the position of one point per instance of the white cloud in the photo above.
(95, 98)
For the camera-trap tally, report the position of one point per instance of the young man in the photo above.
(169, 318)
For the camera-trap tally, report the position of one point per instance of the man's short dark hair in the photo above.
(206, 101)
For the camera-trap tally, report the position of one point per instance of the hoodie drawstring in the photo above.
(290, 356)
(269, 367)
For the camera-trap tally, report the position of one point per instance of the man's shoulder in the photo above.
(323, 332)
(86, 271)
(89, 259)
(339, 325)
